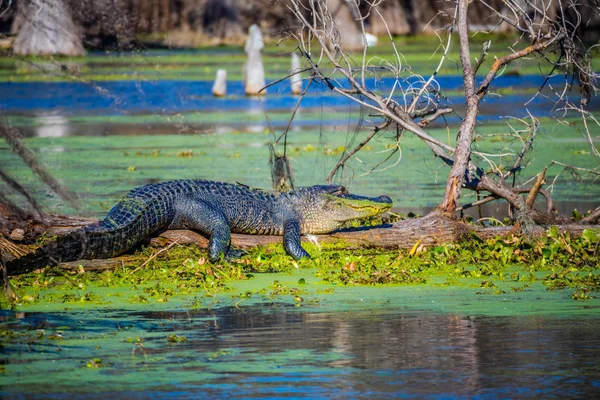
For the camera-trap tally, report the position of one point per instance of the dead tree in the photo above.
(544, 33)
(47, 29)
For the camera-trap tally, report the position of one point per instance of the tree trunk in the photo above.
(48, 29)
(434, 229)
(344, 17)
(394, 20)
(165, 21)
(462, 156)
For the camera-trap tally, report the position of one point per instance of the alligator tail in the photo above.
(67, 247)
(80, 244)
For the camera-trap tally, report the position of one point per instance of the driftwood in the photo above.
(431, 230)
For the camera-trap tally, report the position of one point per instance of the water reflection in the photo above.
(54, 126)
(282, 351)
(410, 354)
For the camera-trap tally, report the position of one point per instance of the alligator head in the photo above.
(324, 209)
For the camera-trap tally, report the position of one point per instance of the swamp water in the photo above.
(434, 340)
(350, 342)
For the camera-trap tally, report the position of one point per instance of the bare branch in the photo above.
(429, 118)
(500, 62)
(355, 150)
(484, 53)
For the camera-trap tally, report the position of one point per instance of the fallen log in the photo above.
(431, 230)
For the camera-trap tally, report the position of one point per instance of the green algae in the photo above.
(556, 268)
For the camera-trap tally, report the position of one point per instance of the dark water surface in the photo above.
(281, 351)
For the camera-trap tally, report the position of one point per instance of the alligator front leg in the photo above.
(291, 239)
(203, 217)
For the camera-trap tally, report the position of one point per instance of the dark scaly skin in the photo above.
(213, 208)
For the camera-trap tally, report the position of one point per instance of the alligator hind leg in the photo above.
(203, 217)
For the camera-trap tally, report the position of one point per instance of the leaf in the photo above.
(413, 251)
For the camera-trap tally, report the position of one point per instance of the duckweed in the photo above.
(493, 266)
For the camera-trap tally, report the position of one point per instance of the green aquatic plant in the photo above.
(151, 276)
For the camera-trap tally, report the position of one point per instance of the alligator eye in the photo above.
(340, 190)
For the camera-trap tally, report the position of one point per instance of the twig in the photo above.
(153, 256)
(500, 62)
(349, 154)
(527, 145)
(432, 117)
(484, 53)
(287, 128)
(435, 72)
(375, 102)
(6, 244)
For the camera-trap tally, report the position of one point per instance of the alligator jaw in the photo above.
(359, 206)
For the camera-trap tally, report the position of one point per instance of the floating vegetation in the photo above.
(493, 266)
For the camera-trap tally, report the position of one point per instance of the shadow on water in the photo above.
(281, 351)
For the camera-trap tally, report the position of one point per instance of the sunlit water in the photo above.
(280, 351)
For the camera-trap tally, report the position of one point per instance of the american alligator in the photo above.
(212, 208)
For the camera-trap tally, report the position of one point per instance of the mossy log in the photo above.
(431, 230)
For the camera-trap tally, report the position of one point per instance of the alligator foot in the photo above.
(233, 254)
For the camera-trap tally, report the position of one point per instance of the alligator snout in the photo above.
(384, 199)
